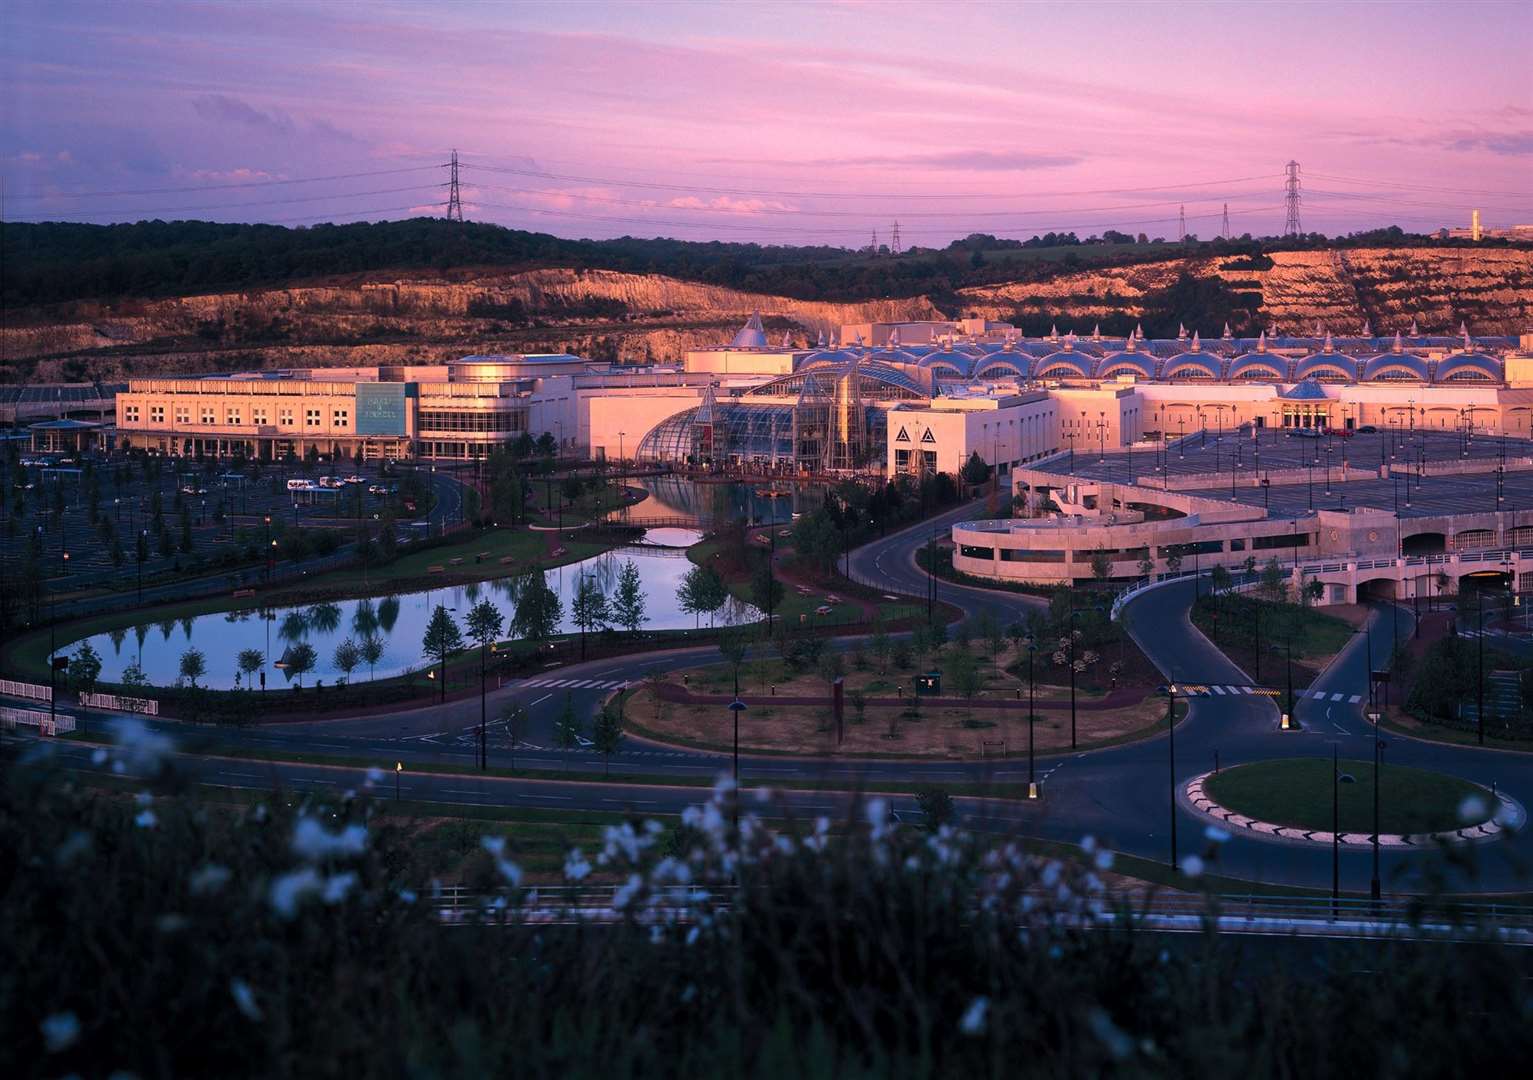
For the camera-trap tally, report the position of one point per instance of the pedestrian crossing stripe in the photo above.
(1225, 690)
(578, 684)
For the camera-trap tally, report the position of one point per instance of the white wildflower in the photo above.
(973, 1021)
(98, 758)
(723, 785)
(288, 891)
(1088, 844)
(763, 795)
(495, 845)
(244, 999)
(146, 819)
(208, 878)
(374, 776)
(314, 842)
(60, 1031)
(1050, 875)
(141, 747)
(575, 866)
(143, 798)
(170, 923)
(510, 871)
(337, 886)
(1472, 810)
(407, 895)
(1192, 865)
(625, 895)
(692, 935)
(1103, 860)
(1118, 1044)
(1215, 835)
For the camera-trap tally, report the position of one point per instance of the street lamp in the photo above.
(737, 707)
(1031, 644)
(1378, 748)
(1171, 761)
(399, 767)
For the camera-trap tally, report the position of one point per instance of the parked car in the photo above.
(355, 479)
(1305, 433)
(330, 482)
(1367, 429)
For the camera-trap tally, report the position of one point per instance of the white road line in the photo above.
(1354, 699)
(310, 780)
(462, 791)
(1217, 689)
(540, 700)
(560, 798)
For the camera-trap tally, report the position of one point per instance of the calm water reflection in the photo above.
(400, 621)
(673, 497)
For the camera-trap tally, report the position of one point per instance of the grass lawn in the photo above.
(1297, 792)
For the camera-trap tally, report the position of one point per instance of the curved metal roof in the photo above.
(1470, 367)
(1136, 363)
(1003, 363)
(1208, 364)
(1319, 364)
(960, 362)
(1397, 366)
(1253, 365)
(1075, 363)
(1304, 390)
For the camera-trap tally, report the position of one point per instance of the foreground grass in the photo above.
(157, 935)
(1297, 792)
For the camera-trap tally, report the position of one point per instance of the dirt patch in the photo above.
(926, 731)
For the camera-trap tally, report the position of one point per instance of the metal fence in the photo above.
(144, 706)
(31, 691)
(11, 719)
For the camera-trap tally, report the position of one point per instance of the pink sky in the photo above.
(783, 122)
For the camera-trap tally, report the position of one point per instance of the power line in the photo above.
(156, 210)
(225, 187)
(574, 179)
(1418, 187)
(802, 212)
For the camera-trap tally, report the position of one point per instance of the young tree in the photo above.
(371, 650)
(831, 668)
(133, 677)
(1146, 567)
(193, 666)
(766, 590)
(346, 658)
(628, 602)
(484, 625)
(990, 630)
(301, 659)
(881, 645)
(1174, 560)
(859, 702)
(249, 661)
(732, 646)
(513, 715)
(702, 591)
(85, 668)
(442, 639)
(588, 610)
(538, 610)
(1220, 578)
(567, 729)
(1272, 579)
(1314, 590)
(975, 471)
(1101, 566)
(607, 735)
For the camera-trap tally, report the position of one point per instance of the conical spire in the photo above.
(1196, 344)
(1096, 331)
(1227, 334)
(752, 335)
(1053, 332)
(820, 342)
(1414, 331)
(1139, 331)
(1463, 331)
(1181, 332)
(894, 338)
(1319, 330)
(1261, 342)
(1367, 328)
(787, 340)
(1328, 346)
(1399, 346)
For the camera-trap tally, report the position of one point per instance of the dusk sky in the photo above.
(786, 123)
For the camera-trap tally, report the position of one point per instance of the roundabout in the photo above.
(1310, 799)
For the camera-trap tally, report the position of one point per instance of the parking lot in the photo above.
(1235, 463)
(213, 513)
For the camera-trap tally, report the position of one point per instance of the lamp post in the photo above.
(1479, 718)
(1335, 830)
(267, 545)
(399, 767)
(737, 707)
(1378, 748)
(1032, 650)
(1171, 761)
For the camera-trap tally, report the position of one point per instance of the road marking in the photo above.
(1354, 699)
(560, 798)
(310, 780)
(540, 700)
(463, 791)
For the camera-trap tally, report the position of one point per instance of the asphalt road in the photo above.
(1121, 795)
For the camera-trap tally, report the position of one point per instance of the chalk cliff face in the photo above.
(1490, 289)
(599, 313)
(610, 315)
